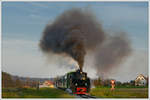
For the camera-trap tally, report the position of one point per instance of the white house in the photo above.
(141, 80)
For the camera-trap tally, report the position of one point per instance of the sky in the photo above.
(24, 22)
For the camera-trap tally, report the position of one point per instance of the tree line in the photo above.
(9, 82)
(107, 83)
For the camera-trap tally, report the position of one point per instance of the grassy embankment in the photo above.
(120, 92)
(33, 93)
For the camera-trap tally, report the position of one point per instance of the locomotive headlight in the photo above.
(76, 84)
(85, 84)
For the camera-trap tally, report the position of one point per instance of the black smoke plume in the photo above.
(111, 54)
(76, 31)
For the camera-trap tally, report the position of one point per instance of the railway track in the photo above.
(79, 96)
(86, 96)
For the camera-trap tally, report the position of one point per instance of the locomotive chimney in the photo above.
(80, 69)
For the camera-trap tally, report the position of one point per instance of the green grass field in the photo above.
(101, 92)
(33, 93)
(120, 93)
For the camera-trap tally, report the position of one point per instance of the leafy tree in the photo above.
(34, 84)
(118, 83)
(97, 82)
(132, 83)
(27, 83)
(107, 82)
(18, 83)
(7, 80)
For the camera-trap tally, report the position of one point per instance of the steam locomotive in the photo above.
(76, 81)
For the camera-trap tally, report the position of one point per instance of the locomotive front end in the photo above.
(82, 83)
(76, 81)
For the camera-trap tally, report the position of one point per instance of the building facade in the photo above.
(141, 80)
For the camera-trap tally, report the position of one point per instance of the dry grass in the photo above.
(120, 93)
